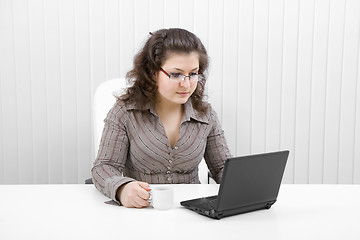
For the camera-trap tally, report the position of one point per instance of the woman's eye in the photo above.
(193, 74)
(175, 75)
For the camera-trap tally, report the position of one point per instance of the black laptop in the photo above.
(248, 184)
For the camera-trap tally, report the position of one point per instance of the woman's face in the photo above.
(175, 92)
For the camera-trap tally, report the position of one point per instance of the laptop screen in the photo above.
(251, 179)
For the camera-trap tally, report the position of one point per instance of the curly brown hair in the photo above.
(152, 56)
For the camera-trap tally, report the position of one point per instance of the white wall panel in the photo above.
(303, 91)
(356, 159)
(259, 75)
(10, 128)
(283, 75)
(201, 21)
(171, 13)
(156, 14)
(127, 33)
(98, 29)
(215, 48)
(37, 78)
(245, 76)
(84, 86)
(112, 38)
(230, 76)
(24, 91)
(68, 89)
(333, 90)
(348, 93)
(54, 93)
(2, 170)
(274, 75)
(186, 14)
(318, 90)
(288, 84)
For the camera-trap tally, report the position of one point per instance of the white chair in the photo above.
(104, 99)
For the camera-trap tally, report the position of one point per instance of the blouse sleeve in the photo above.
(112, 154)
(216, 151)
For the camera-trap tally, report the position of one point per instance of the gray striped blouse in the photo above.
(134, 146)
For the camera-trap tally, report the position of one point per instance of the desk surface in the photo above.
(79, 212)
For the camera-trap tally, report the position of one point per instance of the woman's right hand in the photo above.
(134, 194)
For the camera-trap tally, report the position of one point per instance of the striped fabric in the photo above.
(134, 146)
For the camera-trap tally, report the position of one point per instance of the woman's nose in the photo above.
(185, 83)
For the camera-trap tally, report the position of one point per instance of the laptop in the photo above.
(248, 183)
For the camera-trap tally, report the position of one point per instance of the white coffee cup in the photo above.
(162, 197)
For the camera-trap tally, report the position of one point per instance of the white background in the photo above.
(283, 75)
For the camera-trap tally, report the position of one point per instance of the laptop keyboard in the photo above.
(212, 203)
(207, 203)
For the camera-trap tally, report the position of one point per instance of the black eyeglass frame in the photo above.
(199, 74)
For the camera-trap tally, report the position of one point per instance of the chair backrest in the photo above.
(104, 99)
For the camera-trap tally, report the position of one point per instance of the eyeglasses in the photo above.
(180, 77)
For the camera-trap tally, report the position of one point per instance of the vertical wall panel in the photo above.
(303, 88)
(98, 41)
(201, 21)
(2, 168)
(318, 91)
(112, 38)
(216, 38)
(68, 90)
(8, 96)
(127, 32)
(333, 90)
(356, 170)
(24, 91)
(245, 76)
(156, 15)
(259, 80)
(348, 91)
(141, 22)
(229, 77)
(283, 75)
(171, 16)
(83, 86)
(186, 14)
(54, 93)
(290, 55)
(4, 26)
(38, 90)
(274, 75)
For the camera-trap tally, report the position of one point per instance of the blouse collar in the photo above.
(189, 111)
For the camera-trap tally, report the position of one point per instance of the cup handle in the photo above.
(150, 198)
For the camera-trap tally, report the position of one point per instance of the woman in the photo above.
(161, 128)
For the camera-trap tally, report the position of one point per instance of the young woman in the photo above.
(161, 128)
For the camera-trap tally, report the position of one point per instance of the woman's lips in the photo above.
(183, 94)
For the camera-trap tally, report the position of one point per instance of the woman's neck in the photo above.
(168, 108)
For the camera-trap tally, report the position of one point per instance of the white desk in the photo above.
(79, 212)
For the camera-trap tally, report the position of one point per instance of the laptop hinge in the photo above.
(269, 204)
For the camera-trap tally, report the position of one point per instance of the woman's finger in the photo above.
(143, 194)
(142, 202)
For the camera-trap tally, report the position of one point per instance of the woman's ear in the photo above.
(155, 76)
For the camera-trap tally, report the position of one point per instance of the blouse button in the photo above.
(171, 154)
(169, 179)
(168, 172)
(176, 147)
(170, 161)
